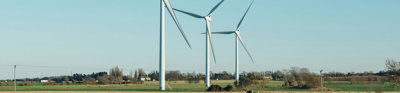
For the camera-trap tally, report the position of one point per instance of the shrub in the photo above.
(21, 84)
(289, 81)
(262, 84)
(28, 83)
(228, 88)
(215, 88)
(104, 80)
(89, 81)
(312, 81)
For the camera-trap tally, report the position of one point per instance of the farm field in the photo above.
(183, 86)
(175, 92)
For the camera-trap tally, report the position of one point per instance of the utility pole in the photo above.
(322, 89)
(15, 80)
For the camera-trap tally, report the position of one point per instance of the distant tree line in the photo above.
(116, 76)
(294, 77)
(278, 75)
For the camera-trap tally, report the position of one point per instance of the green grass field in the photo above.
(176, 86)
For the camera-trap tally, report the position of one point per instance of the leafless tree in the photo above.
(116, 75)
(393, 71)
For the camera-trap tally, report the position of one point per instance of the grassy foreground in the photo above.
(183, 86)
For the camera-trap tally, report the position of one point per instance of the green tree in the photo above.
(277, 75)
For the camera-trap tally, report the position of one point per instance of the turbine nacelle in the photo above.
(208, 18)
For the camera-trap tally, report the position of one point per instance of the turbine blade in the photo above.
(171, 12)
(240, 23)
(215, 7)
(224, 32)
(211, 41)
(188, 13)
(241, 41)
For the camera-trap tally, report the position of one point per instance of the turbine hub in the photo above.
(208, 18)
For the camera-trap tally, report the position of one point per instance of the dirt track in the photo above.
(174, 92)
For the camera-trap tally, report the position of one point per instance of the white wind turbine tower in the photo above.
(208, 38)
(238, 37)
(162, 39)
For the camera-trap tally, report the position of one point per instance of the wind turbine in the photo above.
(209, 42)
(166, 3)
(238, 37)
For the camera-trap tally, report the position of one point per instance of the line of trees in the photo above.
(279, 74)
(294, 77)
(116, 76)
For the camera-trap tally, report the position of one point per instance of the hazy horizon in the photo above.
(88, 36)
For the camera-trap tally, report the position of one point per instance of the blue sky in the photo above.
(48, 37)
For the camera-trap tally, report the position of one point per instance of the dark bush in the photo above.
(215, 88)
(21, 84)
(243, 83)
(25, 84)
(228, 88)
